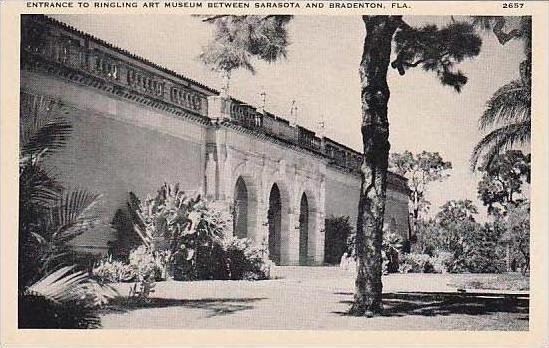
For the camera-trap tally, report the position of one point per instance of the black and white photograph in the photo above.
(275, 171)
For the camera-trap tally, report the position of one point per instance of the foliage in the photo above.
(429, 238)
(457, 243)
(508, 111)
(416, 263)
(113, 271)
(64, 299)
(391, 250)
(503, 179)
(442, 262)
(456, 211)
(437, 50)
(337, 231)
(187, 228)
(245, 260)
(148, 263)
(191, 239)
(420, 169)
(51, 293)
(238, 40)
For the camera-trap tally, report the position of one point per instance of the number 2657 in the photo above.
(513, 5)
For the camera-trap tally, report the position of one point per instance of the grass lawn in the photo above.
(317, 298)
(508, 281)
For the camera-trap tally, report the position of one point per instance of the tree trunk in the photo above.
(375, 136)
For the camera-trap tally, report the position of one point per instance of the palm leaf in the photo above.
(37, 186)
(73, 215)
(512, 102)
(42, 129)
(66, 285)
(500, 139)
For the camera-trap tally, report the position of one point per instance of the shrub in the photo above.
(245, 260)
(113, 271)
(337, 232)
(416, 263)
(442, 262)
(148, 264)
(191, 239)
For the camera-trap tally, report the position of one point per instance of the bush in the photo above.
(113, 271)
(443, 262)
(148, 264)
(337, 232)
(245, 260)
(190, 238)
(416, 263)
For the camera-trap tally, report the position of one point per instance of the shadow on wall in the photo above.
(215, 306)
(399, 304)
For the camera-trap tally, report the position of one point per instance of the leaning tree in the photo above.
(239, 40)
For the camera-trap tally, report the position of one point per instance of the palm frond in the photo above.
(498, 140)
(66, 285)
(37, 186)
(42, 128)
(73, 215)
(63, 299)
(511, 102)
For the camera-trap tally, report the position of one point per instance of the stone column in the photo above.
(290, 239)
(317, 247)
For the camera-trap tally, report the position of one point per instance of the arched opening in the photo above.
(240, 209)
(274, 218)
(303, 230)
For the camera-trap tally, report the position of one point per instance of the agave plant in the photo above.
(64, 299)
(185, 225)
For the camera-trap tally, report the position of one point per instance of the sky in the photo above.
(321, 75)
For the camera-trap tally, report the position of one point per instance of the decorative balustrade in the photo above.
(52, 42)
(84, 54)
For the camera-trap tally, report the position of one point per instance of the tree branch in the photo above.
(502, 36)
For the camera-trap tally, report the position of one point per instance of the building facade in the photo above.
(137, 125)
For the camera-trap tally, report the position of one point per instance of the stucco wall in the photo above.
(342, 193)
(113, 158)
(117, 147)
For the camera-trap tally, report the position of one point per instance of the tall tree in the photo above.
(502, 181)
(420, 169)
(434, 49)
(508, 111)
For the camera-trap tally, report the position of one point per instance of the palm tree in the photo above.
(49, 218)
(508, 111)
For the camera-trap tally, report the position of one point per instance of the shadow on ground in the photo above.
(216, 306)
(399, 304)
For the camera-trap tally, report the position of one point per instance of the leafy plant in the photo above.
(337, 232)
(113, 271)
(245, 260)
(64, 299)
(416, 263)
(51, 292)
(192, 238)
(391, 250)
